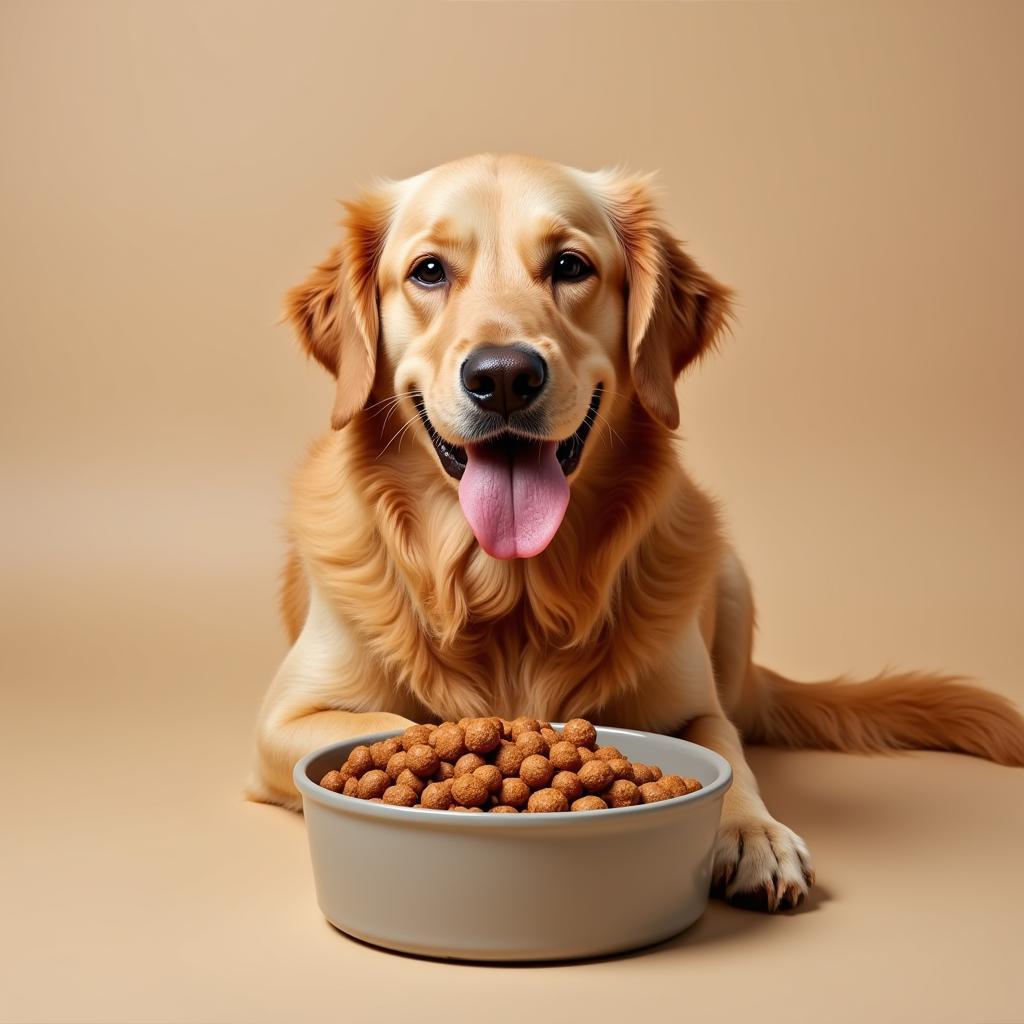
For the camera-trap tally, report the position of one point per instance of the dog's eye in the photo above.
(428, 271)
(570, 266)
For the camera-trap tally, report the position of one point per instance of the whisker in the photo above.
(388, 405)
(390, 398)
(401, 429)
(384, 425)
(405, 430)
(608, 424)
(384, 407)
(605, 391)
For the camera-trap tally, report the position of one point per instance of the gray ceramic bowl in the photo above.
(516, 886)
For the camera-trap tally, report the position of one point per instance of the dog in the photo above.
(499, 523)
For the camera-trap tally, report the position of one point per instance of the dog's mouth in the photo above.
(512, 486)
(454, 457)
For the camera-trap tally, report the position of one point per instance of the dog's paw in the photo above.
(258, 792)
(760, 864)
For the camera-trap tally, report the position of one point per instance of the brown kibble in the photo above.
(373, 784)
(589, 803)
(674, 785)
(360, 761)
(410, 779)
(400, 796)
(531, 743)
(495, 765)
(396, 764)
(569, 784)
(564, 756)
(482, 736)
(547, 801)
(596, 776)
(383, 751)
(422, 760)
(652, 792)
(677, 785)
(437, 796)
(622, 793)
(489, 776)
(469, 791)
(388, 749)
(449, 742)
(416, 734)
(536, 771)
(334, 781)
(580, 732)
(513, 792)
(520, 725)
(468, 763)
(509, 758)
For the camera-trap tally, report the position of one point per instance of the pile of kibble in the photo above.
(490, 764)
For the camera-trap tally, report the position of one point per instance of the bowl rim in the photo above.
(363, 808)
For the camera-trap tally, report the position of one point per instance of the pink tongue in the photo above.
(514, 505)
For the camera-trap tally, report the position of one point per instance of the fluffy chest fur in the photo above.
(443, 630)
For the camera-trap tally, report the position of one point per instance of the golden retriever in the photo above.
(499, 523)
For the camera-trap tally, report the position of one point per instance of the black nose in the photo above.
(504, 378)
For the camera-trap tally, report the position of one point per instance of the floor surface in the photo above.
(141, 888)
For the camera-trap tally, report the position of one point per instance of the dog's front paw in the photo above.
(760, 864)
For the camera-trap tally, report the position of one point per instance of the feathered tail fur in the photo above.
(899, 711)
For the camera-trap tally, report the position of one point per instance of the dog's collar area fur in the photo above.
(453, 457)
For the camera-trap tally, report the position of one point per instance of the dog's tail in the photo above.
(898, 711)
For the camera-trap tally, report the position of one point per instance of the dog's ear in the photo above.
(335, 310)
(675, 311)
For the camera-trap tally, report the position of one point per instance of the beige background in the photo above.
(169, 169)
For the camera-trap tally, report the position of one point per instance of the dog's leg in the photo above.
(283, 743)
(298, 713)
(759, 862)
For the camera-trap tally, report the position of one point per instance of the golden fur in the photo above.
(638, 614)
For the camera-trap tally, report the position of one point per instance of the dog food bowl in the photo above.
(516, 886)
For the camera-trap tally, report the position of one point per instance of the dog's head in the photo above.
(515, 307)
